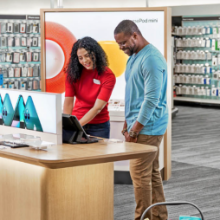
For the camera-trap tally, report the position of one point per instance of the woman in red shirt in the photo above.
(91, 82)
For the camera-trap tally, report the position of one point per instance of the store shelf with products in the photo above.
(197, 60)
(20, 51)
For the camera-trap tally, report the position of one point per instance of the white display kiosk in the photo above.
(62, 27)
(48, 110)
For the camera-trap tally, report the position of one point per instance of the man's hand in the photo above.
(129, 139)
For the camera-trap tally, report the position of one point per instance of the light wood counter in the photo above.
(67, 155)
(32, 186)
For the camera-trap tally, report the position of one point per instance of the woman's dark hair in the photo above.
(96, 53)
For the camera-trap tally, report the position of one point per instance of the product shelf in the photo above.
(197, 100)
(7, 63)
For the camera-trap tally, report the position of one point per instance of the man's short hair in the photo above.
(127, 27)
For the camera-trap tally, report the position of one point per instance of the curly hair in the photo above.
(96, 53)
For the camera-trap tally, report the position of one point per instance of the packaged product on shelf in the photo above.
(184, 42)
(189, 42)
(8, 57)
(3, 27)
(23, 28)
(23, 84)
(17, 84)
(207, 80)
(17, 41)
(191, 90)
(203, 30)
(35, 56)
(10, 71)
(208, 69)
(16, 27)
(36, 70)
(218, 60)
(9, 27)
(10, 41)
(5, 71)
(23, 41)
(208, 42)
(214, 31)
(28, 56)
(29, 41)
(39, 56)
(24, 71)
(208, 55)
(36, 84)
(3, 41)
(22, 57)
(215, 75)
(214, 91)
(208, 30)
(194, 30)
(203, 69)
(213, 44)
(17, 72)
(184, 55)
(34, 42)
(189, 30)
(30, 71)
(30, 84)
(2, 57)
(177, 68)
(39, 41)
(208, 91)
(214, 61)
(16, 57)
(203, 42)
(11, 84)
(181, 78)
(178, 90)
(203, 91)
(35, 28)
(29, 28)
(5, 84)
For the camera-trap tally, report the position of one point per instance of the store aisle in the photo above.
(195, 166)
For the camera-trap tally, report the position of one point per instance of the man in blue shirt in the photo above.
(146, 114)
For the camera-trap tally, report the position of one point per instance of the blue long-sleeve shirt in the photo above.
(145, 92)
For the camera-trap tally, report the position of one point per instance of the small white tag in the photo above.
(96, 81)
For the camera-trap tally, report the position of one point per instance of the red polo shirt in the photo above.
(87, 89)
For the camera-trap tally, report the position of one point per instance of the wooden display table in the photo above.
(65, 182)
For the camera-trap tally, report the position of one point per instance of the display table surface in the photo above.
(67, 155)
(33, 187)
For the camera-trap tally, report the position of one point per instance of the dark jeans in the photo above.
(98, 130)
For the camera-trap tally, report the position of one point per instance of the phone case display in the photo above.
(197, 58)
(20, 52)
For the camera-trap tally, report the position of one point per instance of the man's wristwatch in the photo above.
(123, 131)
(133, 134)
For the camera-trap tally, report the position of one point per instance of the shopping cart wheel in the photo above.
(172, 203)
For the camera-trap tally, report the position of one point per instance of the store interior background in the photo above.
(195, 151)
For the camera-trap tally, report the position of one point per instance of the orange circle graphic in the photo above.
(116, 57)
(65, 39)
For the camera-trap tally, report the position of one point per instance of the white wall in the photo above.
(196, 10)
(161, 3)
(33, 6)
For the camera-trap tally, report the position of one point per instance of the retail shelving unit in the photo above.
(20, 48)
(197, 64)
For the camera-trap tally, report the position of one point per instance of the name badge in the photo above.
(96, 81)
